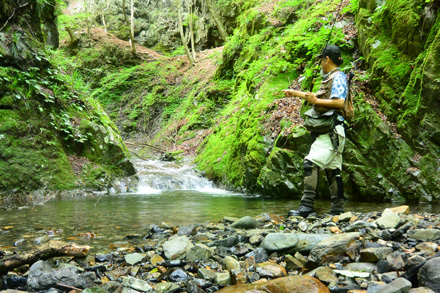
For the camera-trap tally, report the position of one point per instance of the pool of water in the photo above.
(167, 193)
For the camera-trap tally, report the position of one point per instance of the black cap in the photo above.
(333, 53)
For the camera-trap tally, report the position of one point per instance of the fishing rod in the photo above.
(326, 44)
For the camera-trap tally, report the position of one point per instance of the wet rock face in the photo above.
(335, 262)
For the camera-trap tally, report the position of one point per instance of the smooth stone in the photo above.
(303, 226)
(361, 267)
(229, 263)
(178, 275)
(227, 242)
(134, 258)
(176, 247)
(271, 270)
(401, 209)
(424, 234)
(279, 241)
(136, 284)
(292, 263)
(414, 261)
(245, 223)
(429, 274)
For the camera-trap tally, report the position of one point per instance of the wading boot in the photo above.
(310, 185)
(336, 187)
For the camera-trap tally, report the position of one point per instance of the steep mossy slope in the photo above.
(52, 135)
(251, 138)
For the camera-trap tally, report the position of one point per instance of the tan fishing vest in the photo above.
(324, 92)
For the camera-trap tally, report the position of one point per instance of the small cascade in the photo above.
(158, 176)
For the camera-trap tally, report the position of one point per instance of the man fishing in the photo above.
(326, 149)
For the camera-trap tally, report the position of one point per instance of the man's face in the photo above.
(324, 64)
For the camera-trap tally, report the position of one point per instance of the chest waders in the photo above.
(311, 170)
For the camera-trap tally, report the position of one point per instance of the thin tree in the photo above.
(133, 48)
(191, 29)
(219, 24)
(182, 35)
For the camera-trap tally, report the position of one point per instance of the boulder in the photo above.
(136, 284)
(271, 270)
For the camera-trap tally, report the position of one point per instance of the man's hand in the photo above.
(310, 97)
(290, 93)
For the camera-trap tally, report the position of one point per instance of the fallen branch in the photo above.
(46, 251)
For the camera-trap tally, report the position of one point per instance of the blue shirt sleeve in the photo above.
(339, 89)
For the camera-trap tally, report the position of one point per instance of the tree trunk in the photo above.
(216, 18)
(123, 11)
(182, 35)
(133, 48)
(46, 251)
(73, 39)
(191, 29)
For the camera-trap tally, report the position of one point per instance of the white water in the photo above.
(157, 176)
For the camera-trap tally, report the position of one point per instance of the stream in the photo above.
(167, 193)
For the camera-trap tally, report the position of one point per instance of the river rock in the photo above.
(358, 225)
(42, 276)
(326, 275)
(226, 242)
(223, 279)
(306, 242)
(421, 290)
(429, 274)
(424, 234)
(292, 263)
(229, 263)
(178, 275)
(279, 241)
(245, 223)
(361, 267)
(345, 217)
(136, 284)
(399, 285)
(167, 288)
(199, 252)
(331, 249)
(281, 285)
(401, 210)
(259, 255)
(388, 220)
(176, 247)
(134, 258)
(205, 274)
(238, 276)
(271, 270)
(296, 284)
(427, 248)
(256, 239)
(374, 254)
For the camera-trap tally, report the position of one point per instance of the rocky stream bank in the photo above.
(388, 251)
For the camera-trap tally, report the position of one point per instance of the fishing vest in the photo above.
(324, 92)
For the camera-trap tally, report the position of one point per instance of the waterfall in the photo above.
(158, 176)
